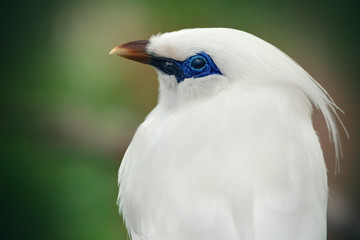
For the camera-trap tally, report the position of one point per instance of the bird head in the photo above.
(195, 64)
(198, 63)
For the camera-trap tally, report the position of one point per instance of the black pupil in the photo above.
(198, 63)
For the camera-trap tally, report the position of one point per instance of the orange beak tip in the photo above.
(135, 50)
(117, 51)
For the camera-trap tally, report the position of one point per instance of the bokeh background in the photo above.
(69, 110)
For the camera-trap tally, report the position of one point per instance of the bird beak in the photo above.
(135, 50)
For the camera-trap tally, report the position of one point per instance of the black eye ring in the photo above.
(198, 63)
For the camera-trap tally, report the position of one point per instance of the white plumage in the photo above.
(228, 156)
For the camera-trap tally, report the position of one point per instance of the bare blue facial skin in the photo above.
(199, 65)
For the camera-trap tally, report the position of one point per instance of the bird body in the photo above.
(229, 152)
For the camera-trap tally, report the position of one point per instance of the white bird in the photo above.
(230, 151)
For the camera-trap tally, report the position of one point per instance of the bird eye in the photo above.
(198, 63)
(196, 66)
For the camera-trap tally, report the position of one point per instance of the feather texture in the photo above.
(230, 156)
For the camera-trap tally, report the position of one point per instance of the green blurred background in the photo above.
(69, 109)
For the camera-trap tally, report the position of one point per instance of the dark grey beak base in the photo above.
(136, 51)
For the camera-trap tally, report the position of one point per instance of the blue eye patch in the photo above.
(199, 65)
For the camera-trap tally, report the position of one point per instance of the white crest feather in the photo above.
(324, 102)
